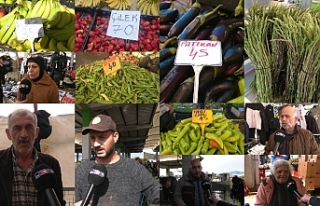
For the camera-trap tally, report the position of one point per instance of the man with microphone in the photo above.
(291, 138)
(126, 179)
(18, 161)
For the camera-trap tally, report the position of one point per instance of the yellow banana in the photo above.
(20, 47)
(54, 19)
(71, 46)
(38, 9)
(10, 31)
(7, 17)
(6, 27)
(155, 9)
(114, 5)
(62, 46)
(10, 40)
(65, 18)
(53, 45)
(70, 40)
(47, 4)
(139, 3)
(27, 45)
(44, 41)
(62, 34)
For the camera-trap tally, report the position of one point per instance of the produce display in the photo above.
(148, 7)
(202, 22)
(58, 24)
(98, 41)
(129, 84)
(221, 136)
(283, 45)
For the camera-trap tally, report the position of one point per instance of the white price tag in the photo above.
(29, 28)
(124, 24)
(199, 53)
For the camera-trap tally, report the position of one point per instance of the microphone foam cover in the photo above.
(43, 177)
(205, 185)
(25, 86)
(291, 186)
(97, 174)
(279, 136)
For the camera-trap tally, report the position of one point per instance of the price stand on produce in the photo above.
(199, 54)
(30, 29)
(111, 65)
(124, 24)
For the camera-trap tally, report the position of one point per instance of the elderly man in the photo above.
(297, 141)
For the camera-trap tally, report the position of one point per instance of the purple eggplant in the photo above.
(172, 81)
(168, 15)
(165, 5)
(224, 28)
(218, 88)
(191, 29)
(226, 96)
(232, 68)
(166, 65)
(165, 28)
(226, 44)
(234, 54)
(167, 52)
(238, 37)
(203, 34)
(185, 92)
(182, 22)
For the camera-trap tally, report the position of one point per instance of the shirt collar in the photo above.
(34, 155)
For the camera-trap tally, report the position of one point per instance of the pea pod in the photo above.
(230, 147)
(225, 135)
(205, 146)
(181, 134)
(215, 138)
(232, 138)
(211, 151)
(192, 148)
(167, 151)
(193, 136)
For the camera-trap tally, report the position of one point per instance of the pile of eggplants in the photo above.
(200, 22)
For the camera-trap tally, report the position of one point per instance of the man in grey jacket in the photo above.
(189, 190)
(126, 178)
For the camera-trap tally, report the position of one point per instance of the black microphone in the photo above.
(279, 138)
(205, 184)
(292, 187)
(44, 179)
(97, 176)
(24, 88)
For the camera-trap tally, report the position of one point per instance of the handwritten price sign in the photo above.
(202, 116)
(111, 65)
(29, 28)
(124, 24)
(202, 52)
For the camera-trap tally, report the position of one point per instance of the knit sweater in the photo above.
(126, 178)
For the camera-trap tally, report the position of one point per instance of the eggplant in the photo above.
(183, 21)
(238, 37)
(172, 81)
(168, 15)
(224, 28)
(218, 88)
(226, 96)
(231, 69)
(233, 54)
(165, 5)
(228, 43)
(167, 52)
(185, 92)
(165, 28)
(203, 34)
(172, 42)
(190, 31)
(163, 39)
(166, 65)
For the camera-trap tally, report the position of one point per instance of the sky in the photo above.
(53, 109)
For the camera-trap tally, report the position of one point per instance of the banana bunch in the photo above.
(87, 3)
(119, 4)
(148, 7)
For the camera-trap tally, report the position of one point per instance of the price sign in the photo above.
(111, 65)
(202, 52)
(202, 117)
(29, 28)
(124, 24)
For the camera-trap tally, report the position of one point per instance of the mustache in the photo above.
(21, 140)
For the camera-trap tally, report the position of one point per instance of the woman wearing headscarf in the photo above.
(274, 192)
(43, 88)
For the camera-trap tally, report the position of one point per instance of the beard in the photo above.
(105, 153)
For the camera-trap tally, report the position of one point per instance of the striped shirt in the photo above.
(23, 190)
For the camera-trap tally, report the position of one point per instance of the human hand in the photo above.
(305, 199)
(213, 201)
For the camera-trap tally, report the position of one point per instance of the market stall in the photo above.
(181, 135)
(59, 66)
(203, 20)
(45, 25)
(115, 26)
(282, 45)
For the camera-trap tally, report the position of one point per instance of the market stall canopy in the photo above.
(138, 124)
(170, 161)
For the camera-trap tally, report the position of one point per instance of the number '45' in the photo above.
(200, 53)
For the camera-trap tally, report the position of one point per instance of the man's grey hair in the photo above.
(22, 113)
(280, 162)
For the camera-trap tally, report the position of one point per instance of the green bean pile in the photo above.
(130, 84)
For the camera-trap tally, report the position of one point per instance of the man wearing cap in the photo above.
(43, 88)
(126, 178)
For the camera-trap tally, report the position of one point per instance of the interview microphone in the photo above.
(97, 176)
(279, 138)
(44, 179)
(24, 88)
(292, 187)
(207, 189)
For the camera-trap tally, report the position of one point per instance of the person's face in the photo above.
(288, 118)
(104, 143)
(33, 70)
(282, 174)
(22, 132)
(196, 169)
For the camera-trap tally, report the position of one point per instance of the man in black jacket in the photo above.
(18, 161)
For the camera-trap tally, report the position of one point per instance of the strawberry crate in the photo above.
(98, 41)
